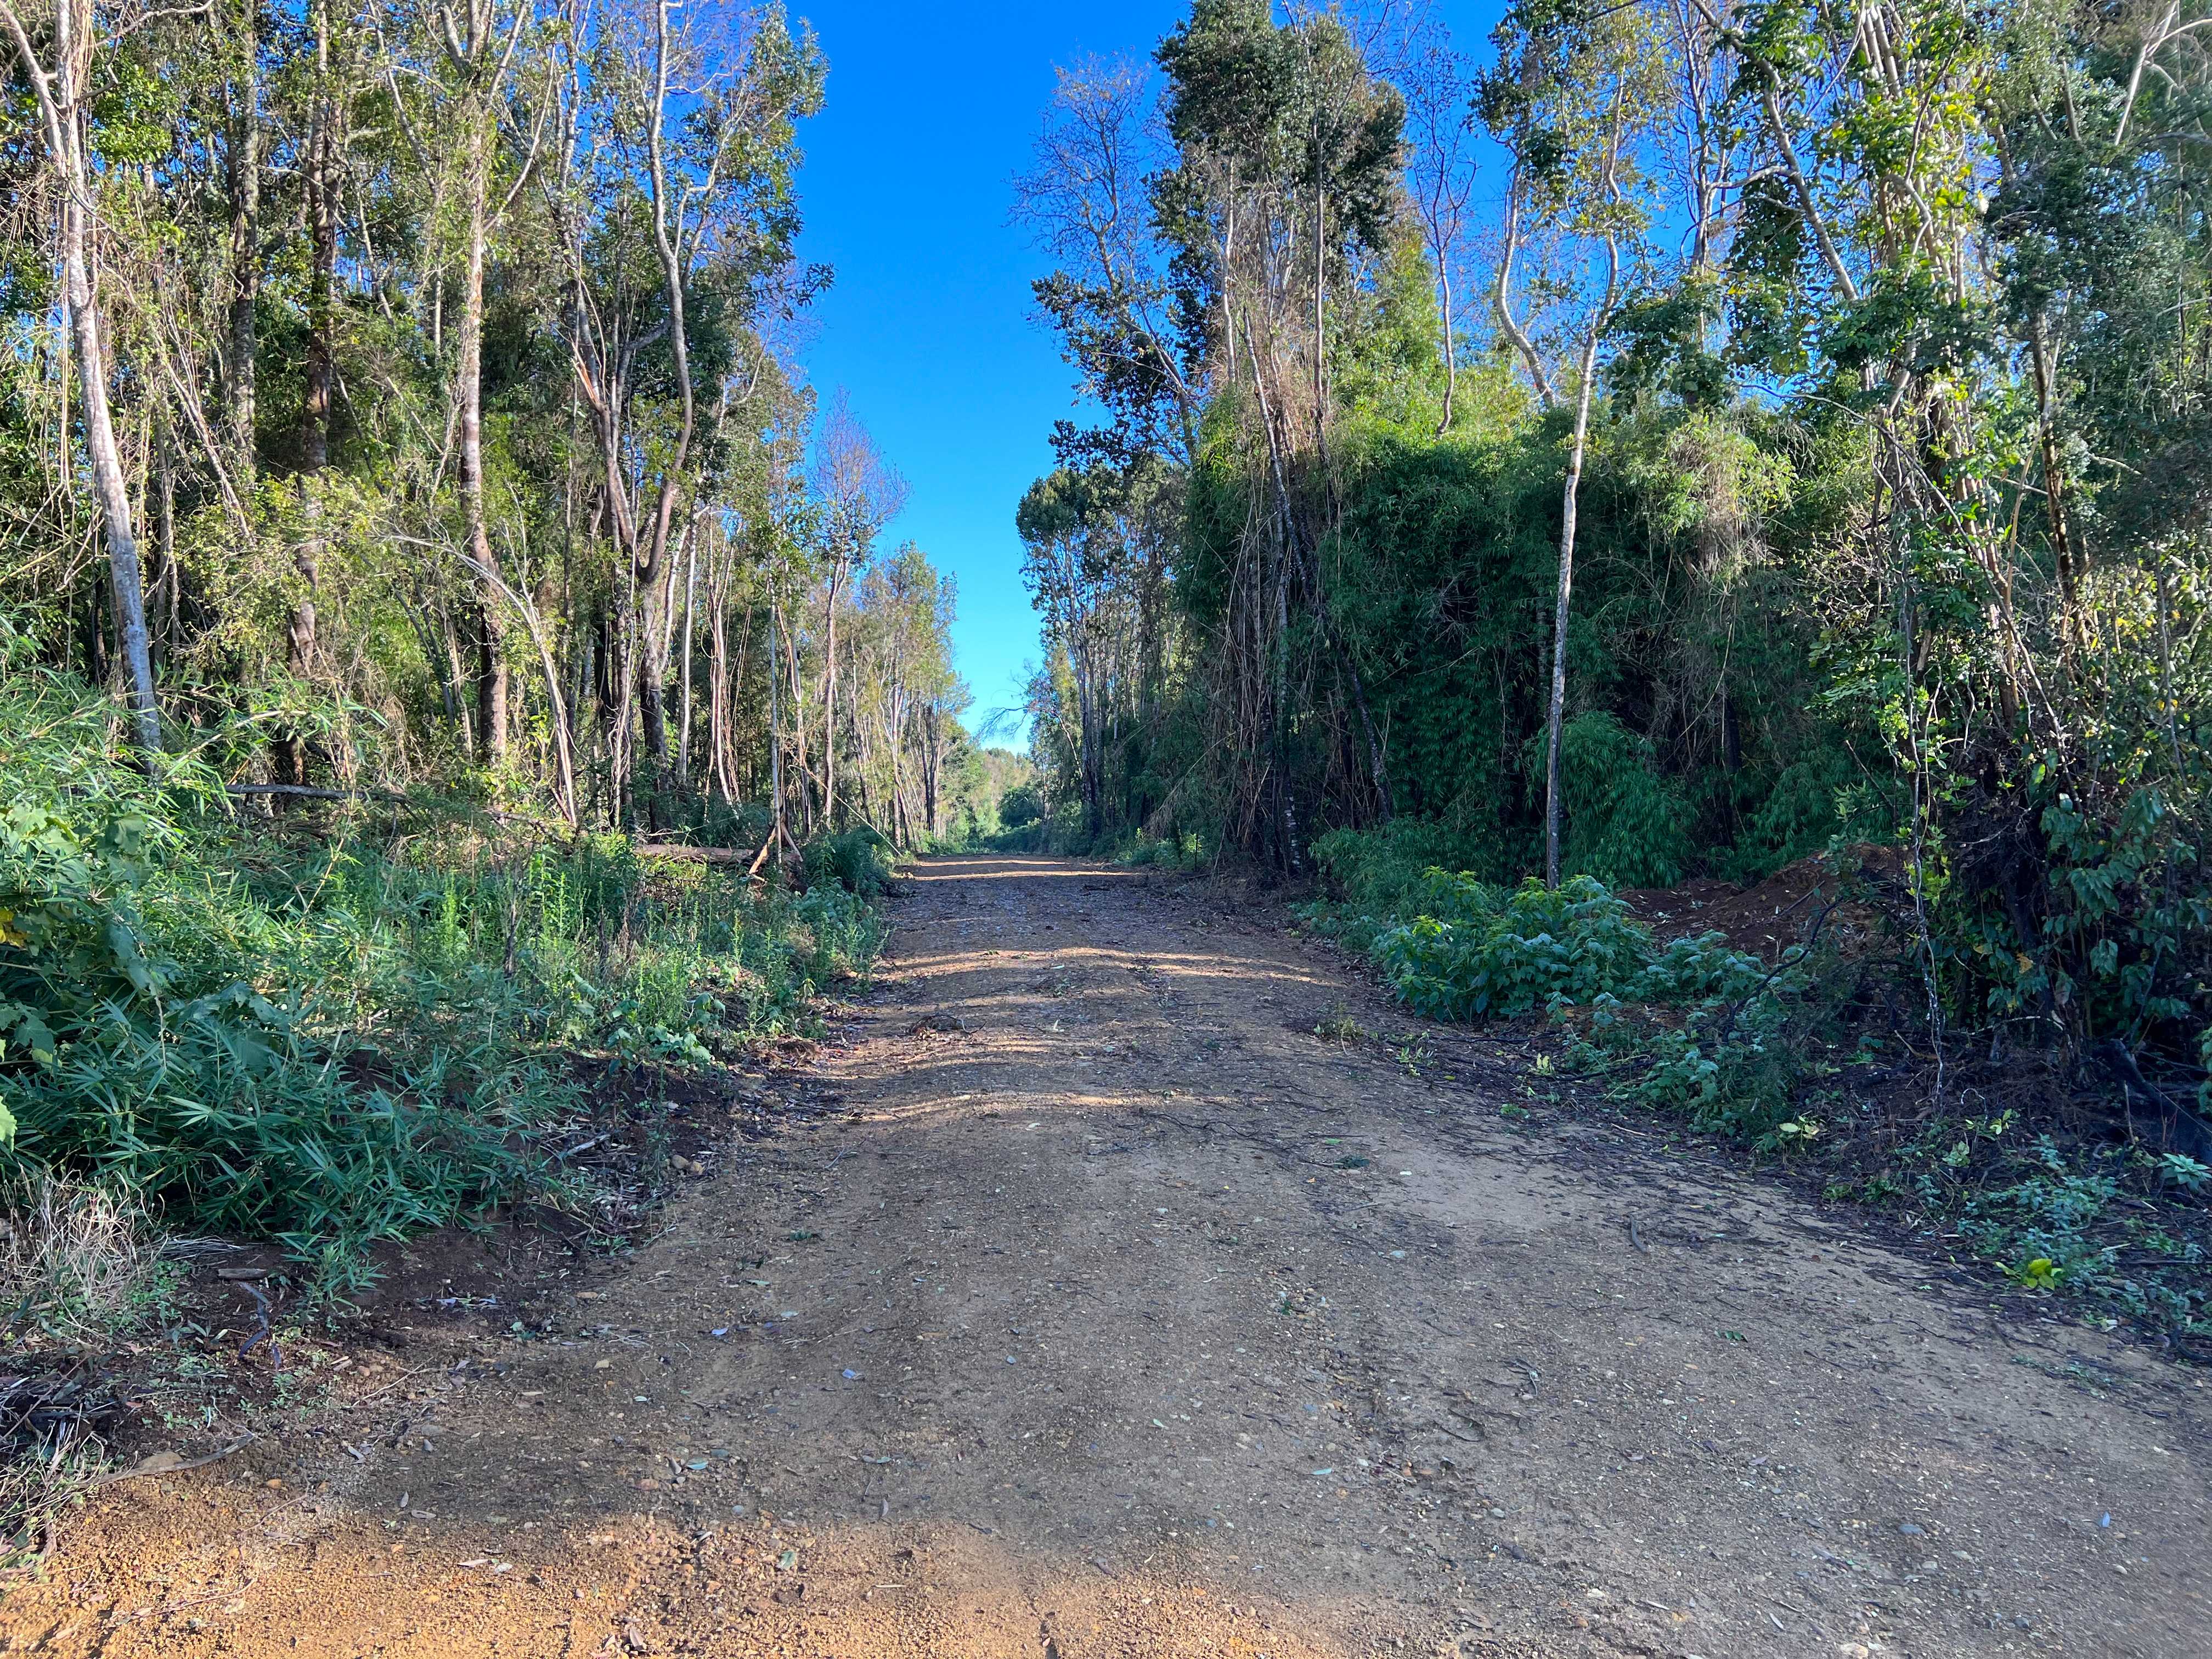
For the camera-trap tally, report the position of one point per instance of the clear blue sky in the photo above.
(931, 112)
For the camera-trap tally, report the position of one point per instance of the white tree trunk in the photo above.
(59, 94)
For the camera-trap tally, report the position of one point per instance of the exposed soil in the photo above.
(1112, 1311)
(1854, 901)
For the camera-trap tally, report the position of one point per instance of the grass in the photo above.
(327, 1029)
(335, 1032)
(1796, 1059)
(77, 1276)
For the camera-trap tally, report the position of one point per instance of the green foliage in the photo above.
(1501, 954)
(331, 1042)
(1727, 1050)
(78, 840)
(2044, 1223)
(1625, 824)
(858, 859)
(1141, 851)
(1397, 870)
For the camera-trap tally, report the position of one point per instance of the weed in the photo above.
(1340, 1027)
(335, 1038)
(2184, 1171)
(73, 1266)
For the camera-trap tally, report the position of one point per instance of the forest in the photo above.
(432, 588)
(1667, 441)
(1625, 624)
(440, 428)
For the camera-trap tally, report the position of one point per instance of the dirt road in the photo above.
(1090, 1305)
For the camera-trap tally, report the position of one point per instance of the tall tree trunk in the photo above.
(830, 699)
(162, 624)
(491, 662)
(318, 177)
(243, 169)
(684, 693)
(1569, 507)
(719, 690)
(656, 571)
(798, 724)
(59, 94)
(1451, 350)
(321, 206)
(778, 832)
(2071, 633)
(1321, 337)
(931, 761)
(107, 475)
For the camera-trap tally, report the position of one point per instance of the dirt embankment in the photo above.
(1108, 1310)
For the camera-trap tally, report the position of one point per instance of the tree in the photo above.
(1114, 305)
(1573, 99)
(59, 90)
(859, 493)
(1079, 557)
(1285, 185)
(1439, 88)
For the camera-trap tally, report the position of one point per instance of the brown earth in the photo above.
(1850, 902)
(1118, 1313)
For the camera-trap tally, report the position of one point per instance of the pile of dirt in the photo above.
(1854, 898)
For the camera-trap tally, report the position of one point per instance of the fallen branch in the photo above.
(304, 791)
(158, 1464)
(691, 854)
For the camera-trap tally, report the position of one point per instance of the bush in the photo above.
(1509, 954)
(328, 1040)
(1021, 806)
(859, 859)
(1727, 1051)
(1626, 824)
(1401, 869)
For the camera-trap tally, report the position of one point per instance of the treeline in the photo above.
(1675, 439)
(403, 391)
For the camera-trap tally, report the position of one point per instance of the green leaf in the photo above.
(34, 1034)
(132, 960)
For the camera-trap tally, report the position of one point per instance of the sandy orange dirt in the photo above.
(1112, 1311)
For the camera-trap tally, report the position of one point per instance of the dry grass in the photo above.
(71, 1258)
(74, 1275)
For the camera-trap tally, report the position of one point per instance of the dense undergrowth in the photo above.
(332, 1028)
(1804, 1056)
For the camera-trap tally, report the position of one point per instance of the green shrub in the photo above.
(327, 1039)
(1454, 947)
(1497, 954)
(859, 859)
(1626, 824)
(1405, 868)
(252, 1125)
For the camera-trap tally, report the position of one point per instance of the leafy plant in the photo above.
(331, 1042)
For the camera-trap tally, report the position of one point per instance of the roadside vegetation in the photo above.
(458, 691)
(1806, 1051)
(332, 1033)
(1673, 445)
(329, 1027)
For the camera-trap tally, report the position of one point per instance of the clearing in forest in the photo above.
(1085, 1302)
